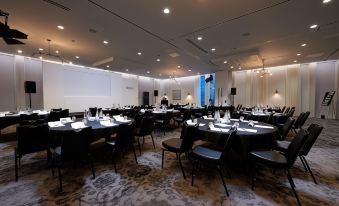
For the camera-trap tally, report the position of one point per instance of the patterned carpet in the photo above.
(148, 184)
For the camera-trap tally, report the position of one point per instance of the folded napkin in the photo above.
(248, 130)
(107, 123)
(67, 119)
(117, 116)
(263, 126)
(223, 125)
(78, 125)
(55, 124)
(215, 129)
(201, 125)
(208, 118)
(190, 123)
(225, 130)
(142, 110)
(91, 118)
(236, 120)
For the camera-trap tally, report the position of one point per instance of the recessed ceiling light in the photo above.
(148, 72)
(105, 42)
(57, 51)
(40, 57)
(232, 67)
(41, 49)
(213, 49)
(126, 70)
(225, 62)
(313, 26)
(326, 1)
(298, 54)
(20, 51)
(158, 60)
(107, 66)
(179, 66)
(303, 44)
(60, 27)
(77, 57)
(199, 38)
(295, 61)
(139, 53)
(166, 11)
(189, 70)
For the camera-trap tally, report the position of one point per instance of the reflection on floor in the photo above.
(148, 184)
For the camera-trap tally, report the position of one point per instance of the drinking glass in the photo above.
(241, 118)
(74, 118)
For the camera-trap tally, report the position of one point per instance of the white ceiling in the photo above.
(241, 31)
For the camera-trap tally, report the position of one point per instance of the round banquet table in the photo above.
(248, 138)
(99, 131)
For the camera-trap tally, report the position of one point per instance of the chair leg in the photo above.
(153, 141)
(143, 140)
(309, 169)
(52, 166)
(92, 166)
(16, 164)
(60, 180)
(182, 168)
(253, 175)
(223, 181)
(302, 161)
(135, 155)
(139, 145)
(162, 158)
(114, 163)
(193, 168)
(293, 187)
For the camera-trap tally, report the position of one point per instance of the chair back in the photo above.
(56, 109)
(298, 120)
(64, 113)
(188, 133)
(32, 122)
(32, 138)
(187, 115)
(283, 109)
(303, 120)
(33, 116)
(168, 117)
(54, 116)
(228, 144)
(291, 112)
(287, 110)
(147, 126)
(294, 148)
(93, 111)
(314, 131)
(287, 127)
(75, 144)
(125, 135)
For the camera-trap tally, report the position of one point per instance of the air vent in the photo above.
(60, 6)
(92, 31)
(311, 56)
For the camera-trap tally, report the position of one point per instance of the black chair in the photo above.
(303, 120)
(284, 129)
(291, 112)
(93, 111)
(56, 109)
(279, 160)
(75, 147)
(54, 116)
(180, 145)
(33, 116)
(314, 131)
(180, 119)
(297, 122)
(123, 140)
(283, 109)
(64, 113)
(165, 122)
(146, 128)
(30, 139)
(215, 158)
(287, 110)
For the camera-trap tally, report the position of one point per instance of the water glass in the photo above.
(84, 121)
(74, 118)
(241, 118)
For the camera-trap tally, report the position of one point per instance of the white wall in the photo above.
(223, 83)
(7, 83)
(302, 86)
(79, 88)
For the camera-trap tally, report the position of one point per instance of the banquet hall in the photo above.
(191, 102)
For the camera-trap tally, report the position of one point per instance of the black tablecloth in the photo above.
(246, 141)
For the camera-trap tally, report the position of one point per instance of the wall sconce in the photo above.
(276, 91)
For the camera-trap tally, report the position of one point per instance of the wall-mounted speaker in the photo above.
(30, 87)
(233, 91)
(155, 93)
